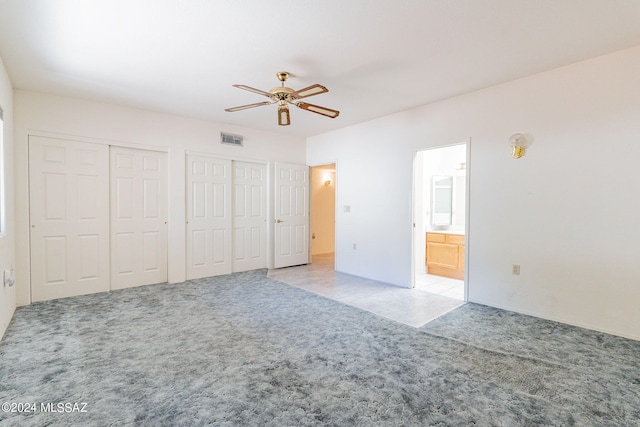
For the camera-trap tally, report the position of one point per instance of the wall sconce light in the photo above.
(326, 179)
(517, 141)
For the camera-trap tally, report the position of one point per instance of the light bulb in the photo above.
(517, 142)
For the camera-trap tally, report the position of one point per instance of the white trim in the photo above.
(558, 319)
(225, 157)
(94, 140)
(467, 222)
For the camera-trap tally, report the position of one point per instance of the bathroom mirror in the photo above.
(441, 200)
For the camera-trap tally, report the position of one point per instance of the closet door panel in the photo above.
(69, 216)
(208, 227)
(138, 217)
(249, 216)
(226, 216)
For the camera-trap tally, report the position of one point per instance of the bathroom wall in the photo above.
(445, 161)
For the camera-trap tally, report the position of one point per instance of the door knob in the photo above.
(278, 221)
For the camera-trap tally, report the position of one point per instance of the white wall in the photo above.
(38, 113)
(7, 239)
(567, 212)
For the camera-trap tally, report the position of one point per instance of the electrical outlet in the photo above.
(515, 269)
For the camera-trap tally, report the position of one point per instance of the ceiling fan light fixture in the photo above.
(283, 116)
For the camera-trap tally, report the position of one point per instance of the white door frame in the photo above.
(414, 232)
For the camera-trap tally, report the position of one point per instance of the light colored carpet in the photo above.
(245, 350)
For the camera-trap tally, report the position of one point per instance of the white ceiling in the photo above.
(376, 57)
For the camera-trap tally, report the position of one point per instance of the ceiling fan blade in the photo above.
(315, 89)
(283, 116)
(319, 110)
(254, 90)
(244, 107)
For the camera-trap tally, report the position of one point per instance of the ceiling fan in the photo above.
(284, 96)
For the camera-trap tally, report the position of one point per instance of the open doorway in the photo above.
(440, 209)
(323, 214)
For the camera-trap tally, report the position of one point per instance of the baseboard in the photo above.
(560, 320)
(4, 324)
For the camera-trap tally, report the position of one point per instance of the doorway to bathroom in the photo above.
(440, 218)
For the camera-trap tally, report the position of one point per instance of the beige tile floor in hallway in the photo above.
(413, 307)
(439, 285)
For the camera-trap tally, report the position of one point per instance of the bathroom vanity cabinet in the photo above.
(445, 254)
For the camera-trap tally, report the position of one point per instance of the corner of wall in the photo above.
(7, 239)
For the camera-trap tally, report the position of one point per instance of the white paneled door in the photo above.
(249, 216)
(291, 231)
(138, 217)
(209, 220)
(69, 216)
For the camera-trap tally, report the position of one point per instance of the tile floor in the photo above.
(413, 307)
(439, 285)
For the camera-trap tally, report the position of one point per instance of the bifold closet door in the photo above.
(249, 216)
(209, 219)
(69, 217)
(138, 217)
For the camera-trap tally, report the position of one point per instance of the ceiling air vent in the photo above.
(230, 139)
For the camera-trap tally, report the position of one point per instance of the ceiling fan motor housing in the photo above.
(282, 94)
